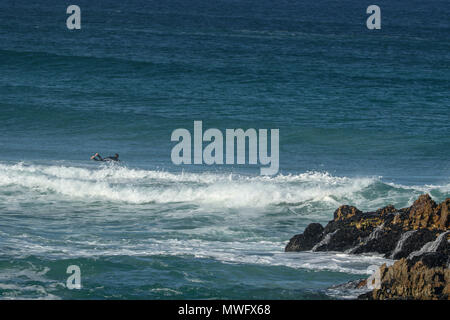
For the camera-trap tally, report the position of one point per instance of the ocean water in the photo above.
(363, 118)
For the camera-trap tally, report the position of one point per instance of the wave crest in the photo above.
(137, 186)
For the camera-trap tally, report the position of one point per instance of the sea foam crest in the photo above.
(138, 186)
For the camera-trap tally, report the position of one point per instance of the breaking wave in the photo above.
(137, 186)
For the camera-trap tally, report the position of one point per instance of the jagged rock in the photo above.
(407, 280)
(421, 212)
(412, 241)
(439, 245)
(354, 231)
(443, 222)
(345, 212)
(386, 210)
(306, 240)
(418, 235)
(425, 213)
(381, 240)
(339, 240)
(431, 260)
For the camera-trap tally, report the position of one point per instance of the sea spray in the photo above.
(121, 184)
(431, 246)
(405, 236)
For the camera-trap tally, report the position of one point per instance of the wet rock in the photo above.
(306, 240)
(381, 240)
(443, 222)
(382, 231)
(345, 212)
(440, 245)
(412, 241)
(339, 240)
(425, 213)
(431, 260)
(418, 235)
(416, 281)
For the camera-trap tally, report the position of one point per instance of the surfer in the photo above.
(97, 157)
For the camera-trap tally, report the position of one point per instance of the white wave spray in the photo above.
(116, 183)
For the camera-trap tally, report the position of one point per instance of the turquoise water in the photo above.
(363, 118)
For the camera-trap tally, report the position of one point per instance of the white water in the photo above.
(373, 236)
(376, 233)
(134, 186)
(268, 253)
(431, 246)
(60, 211)
(405, 236)
(121, 184)
(324, 241)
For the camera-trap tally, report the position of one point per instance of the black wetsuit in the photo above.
(110, 158)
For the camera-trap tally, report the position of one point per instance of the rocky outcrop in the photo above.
(411, 241)
(418, 235)
(307, 239)
(426, 278)
(394, 233)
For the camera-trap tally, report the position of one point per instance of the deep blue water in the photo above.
(363, 118)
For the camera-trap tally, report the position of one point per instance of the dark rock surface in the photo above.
(412, 241)
(425, 278)
(418, 235)
(394, 233)
(306, 240)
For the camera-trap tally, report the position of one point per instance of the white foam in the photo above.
(116, 183)
(324, 241)
(431, 246)
(405, 236)
(270, 253)
(27, 287)
(427, 188)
